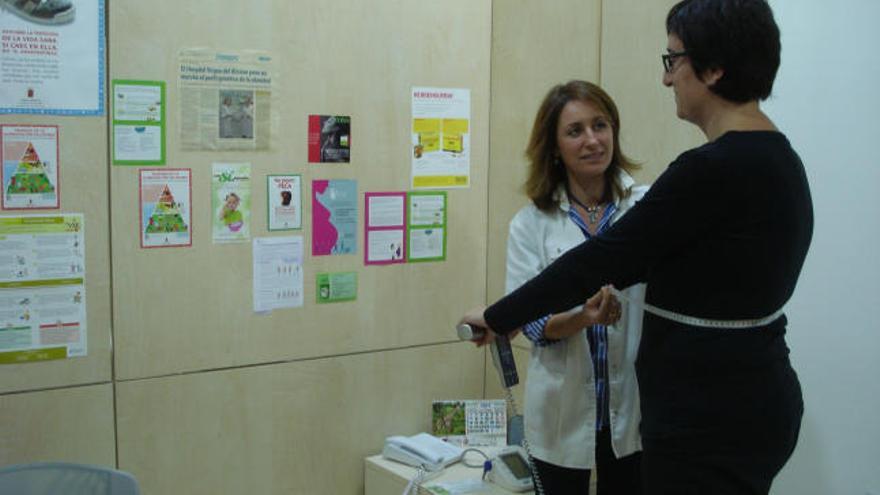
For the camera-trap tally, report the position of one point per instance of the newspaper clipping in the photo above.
(225, 100)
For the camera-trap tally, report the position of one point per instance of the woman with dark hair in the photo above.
(579, 372)
(720, 239)
(286, 196)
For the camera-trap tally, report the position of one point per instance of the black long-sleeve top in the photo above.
(721, 234)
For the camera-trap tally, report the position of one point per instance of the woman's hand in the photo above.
(475, 319)
(602, 308)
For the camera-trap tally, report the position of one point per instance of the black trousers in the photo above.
(615, 476)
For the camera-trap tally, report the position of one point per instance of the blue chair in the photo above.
(64, 478)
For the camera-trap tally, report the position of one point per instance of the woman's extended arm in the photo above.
(661, 223)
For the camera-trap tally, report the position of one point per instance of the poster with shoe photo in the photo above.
(52, 57)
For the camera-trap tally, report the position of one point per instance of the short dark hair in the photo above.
(738, 36)
(546, 172)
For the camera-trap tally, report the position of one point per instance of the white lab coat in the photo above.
(560, 398)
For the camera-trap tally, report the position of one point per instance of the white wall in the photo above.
(826, 100)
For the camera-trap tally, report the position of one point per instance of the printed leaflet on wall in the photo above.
(53, 65)
(334, 217)
(165, 206)
(42, 288)
(441, 140)
(30, 170)
(138, 122)
(225, 100)
(231, 202)
(284, 195)
(384, 228)
(278, 273)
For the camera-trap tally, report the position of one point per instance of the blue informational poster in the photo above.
(52, 57)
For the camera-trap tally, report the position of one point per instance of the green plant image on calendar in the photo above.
(448, 418)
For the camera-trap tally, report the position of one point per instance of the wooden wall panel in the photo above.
(186, 309)
(295, 428)
(534, 46)
(83, 160)
(71, 425)
(633, 38)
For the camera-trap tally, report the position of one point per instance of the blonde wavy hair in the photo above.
(546, 171)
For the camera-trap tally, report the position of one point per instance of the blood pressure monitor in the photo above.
(510, 469)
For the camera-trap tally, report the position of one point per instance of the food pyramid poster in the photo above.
(165, 203)
(30, 167)
(166, 216)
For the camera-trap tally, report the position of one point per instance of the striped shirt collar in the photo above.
(604, 222)
(561, 197)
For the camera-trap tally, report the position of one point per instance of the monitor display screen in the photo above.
(517, 465)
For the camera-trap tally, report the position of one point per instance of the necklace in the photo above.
(592, 211)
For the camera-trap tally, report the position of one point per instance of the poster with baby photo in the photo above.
(231, 202)
(284, 195)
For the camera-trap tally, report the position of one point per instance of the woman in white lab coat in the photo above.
(582, 405)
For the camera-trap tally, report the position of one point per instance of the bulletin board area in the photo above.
(289, 392)
(181, 310)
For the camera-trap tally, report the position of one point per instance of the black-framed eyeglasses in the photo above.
(669, 59)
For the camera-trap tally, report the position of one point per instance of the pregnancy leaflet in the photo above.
(334, 217)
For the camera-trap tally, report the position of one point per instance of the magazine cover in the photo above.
(329, 139)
